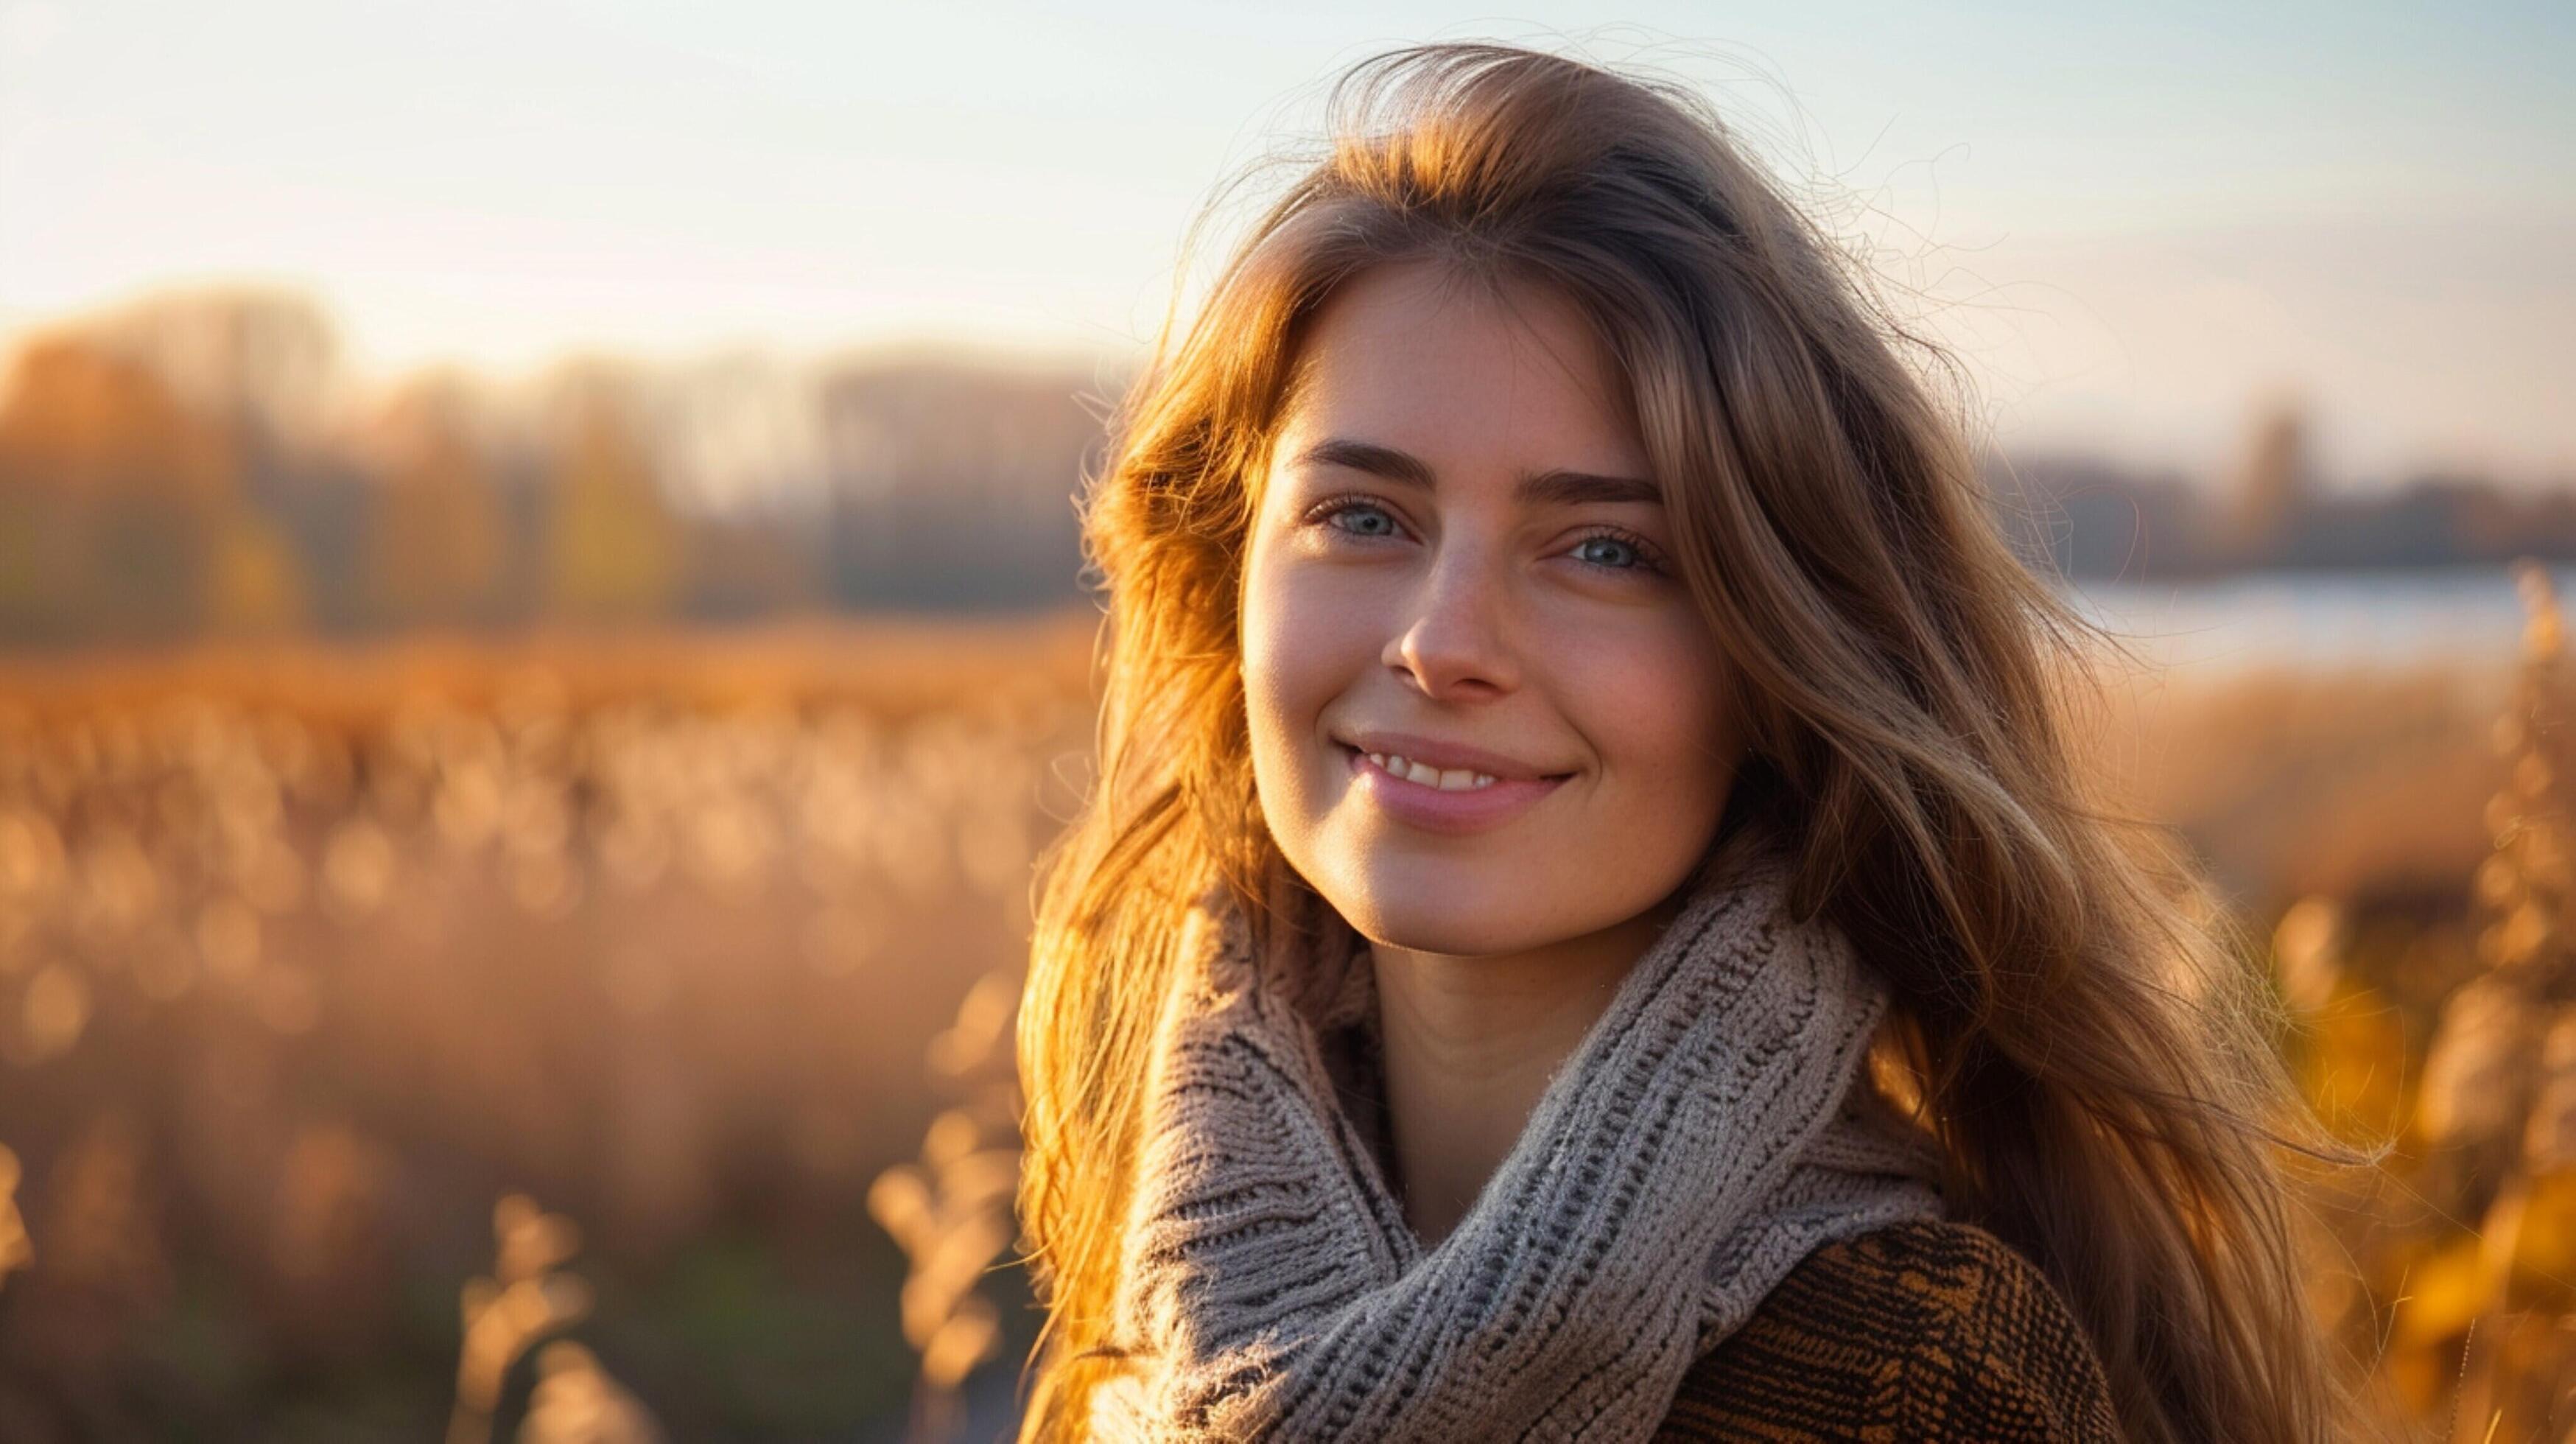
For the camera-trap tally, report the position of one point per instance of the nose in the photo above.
(1456, 644)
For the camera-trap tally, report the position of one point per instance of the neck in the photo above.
(1470, 1044)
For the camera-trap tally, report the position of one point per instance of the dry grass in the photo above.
(2458, 1282)
(306, 957)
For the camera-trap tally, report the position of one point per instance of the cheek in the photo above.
(1656, 705)
(1295, 657)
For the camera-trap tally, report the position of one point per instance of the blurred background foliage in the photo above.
(199, 464)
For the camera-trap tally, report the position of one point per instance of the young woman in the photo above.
(1587, 927)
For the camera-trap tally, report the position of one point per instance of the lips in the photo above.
(1450, 811)
(1447, 756)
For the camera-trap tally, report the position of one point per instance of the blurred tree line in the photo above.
(203, 463)
(2270, 512)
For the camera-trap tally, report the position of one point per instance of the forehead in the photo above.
(1415, 355)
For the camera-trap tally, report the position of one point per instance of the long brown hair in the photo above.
(2073, 1016)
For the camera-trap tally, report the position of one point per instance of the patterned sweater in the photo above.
(1922, 1331)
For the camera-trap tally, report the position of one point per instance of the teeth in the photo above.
(1457, 779)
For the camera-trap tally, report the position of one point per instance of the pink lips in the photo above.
(1435, 810)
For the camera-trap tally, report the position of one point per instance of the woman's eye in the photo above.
(1640, 559)
(1361, 509)
(1616, 549)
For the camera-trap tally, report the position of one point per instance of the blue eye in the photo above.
(1606, 539)
(1340, 509)
(1642, 557)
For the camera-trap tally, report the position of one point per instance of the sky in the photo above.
(2133, 223)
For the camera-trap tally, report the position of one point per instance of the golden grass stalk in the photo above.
(2498, 1104)
(523, 1299)
(950, 1212)
(576, 1402)
(16, 1252)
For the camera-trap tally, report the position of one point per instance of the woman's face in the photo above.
(1459, 559)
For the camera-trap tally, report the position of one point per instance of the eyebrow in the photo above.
(1547, 488)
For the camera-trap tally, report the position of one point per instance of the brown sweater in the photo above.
(1923, 1331)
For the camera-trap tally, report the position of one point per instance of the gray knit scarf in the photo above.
(1713, 1127)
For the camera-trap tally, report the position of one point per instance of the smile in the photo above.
(1469, 802)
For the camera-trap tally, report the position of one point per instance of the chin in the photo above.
(1460, 920)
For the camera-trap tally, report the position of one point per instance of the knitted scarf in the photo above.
(1713, 1127)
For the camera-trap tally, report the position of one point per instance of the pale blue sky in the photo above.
(2132, 221)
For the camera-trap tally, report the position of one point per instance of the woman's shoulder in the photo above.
(1925, 1330)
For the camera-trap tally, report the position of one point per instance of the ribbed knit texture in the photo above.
(1713, 1128)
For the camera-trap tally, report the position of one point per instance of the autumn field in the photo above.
(606, 1037)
